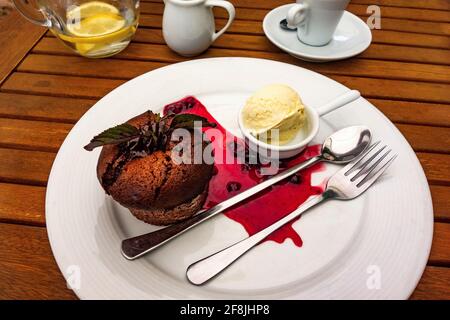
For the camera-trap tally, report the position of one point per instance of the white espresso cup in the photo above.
(316, 20)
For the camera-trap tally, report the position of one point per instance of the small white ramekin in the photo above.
(298, 143)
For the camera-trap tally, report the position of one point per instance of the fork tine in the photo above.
(348, 168)
(361, 168)
(372, 163)
(367, 182)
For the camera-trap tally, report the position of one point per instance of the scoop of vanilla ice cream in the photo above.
(275, 106)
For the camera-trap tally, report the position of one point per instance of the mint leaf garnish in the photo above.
(118, 134)
(187, 120)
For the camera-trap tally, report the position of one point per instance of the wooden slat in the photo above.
(22, 204)
(436, 167)
(27, 167)
(410, 39)
(384, 36)
(440, 250)
(410, 54)
(429, 4)
(414, 112)
(28, 107)
(141, 51)
(255, 26)
(238, 26)
(260, 8)
(270, 4)
(414, 26)
(396, 89)
(78, 66)
(60, 85)
(70, 110)
(433, 284)
(441, 202)
(97, 88)
(403, 13)
(32, 135)
(260, 42)
(17, 37)
(126, 69)
(227, 41)
(27, 267)
(426, 138)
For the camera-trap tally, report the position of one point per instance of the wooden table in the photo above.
(45, 88)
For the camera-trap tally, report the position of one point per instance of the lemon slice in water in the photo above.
(89, 9)
(84, 48)
(98, 25)
(94, 25)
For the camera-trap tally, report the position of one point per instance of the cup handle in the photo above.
(340, 101)
(297, 14)
(231, 14)
(31, 13)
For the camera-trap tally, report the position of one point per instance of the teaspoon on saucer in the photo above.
(284, 25)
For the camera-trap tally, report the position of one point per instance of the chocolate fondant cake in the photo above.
(140, 174)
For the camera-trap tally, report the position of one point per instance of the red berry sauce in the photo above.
(266, 207)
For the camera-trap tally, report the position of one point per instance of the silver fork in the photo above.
(348, 183)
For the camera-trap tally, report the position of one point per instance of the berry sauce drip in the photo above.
(266, 207)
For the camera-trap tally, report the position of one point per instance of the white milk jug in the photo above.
(188, 25)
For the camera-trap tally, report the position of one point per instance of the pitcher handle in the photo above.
(231, 14)
(31, 12)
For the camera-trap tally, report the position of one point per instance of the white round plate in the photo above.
(352, 36)
(373, 247)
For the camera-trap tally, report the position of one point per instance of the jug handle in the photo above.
(31, 13)
(231, 14)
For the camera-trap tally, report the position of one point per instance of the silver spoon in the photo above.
(346, 184)
(284, 25)
(341, 147)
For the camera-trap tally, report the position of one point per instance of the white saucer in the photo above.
(352, 36)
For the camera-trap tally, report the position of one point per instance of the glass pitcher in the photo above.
(92, 28)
